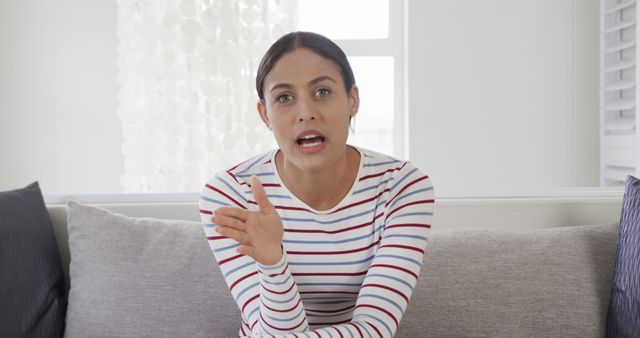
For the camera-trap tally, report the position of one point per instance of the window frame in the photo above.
(395, 46)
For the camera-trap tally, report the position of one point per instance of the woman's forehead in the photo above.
(301, 66)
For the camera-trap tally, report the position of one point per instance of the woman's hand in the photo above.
(259, 233)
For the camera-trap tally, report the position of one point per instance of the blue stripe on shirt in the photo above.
(392, 278)
(403, 258)
(214, 201)
(405, 236)
(232, 189)
(371, 187)
(402, 179)
(383, 298)
(292, 219)
(407, 195)
(258, 174)
(245, 290)
(379, 228)
(332, 263)
(378, 164)
(280, 301)
(286, 319)
(380, 321)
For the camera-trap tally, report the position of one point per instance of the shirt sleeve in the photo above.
(267, 295)
(387, 287)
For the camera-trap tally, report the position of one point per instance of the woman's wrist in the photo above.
(275, 259)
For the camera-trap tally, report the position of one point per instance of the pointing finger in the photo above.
(261, 196)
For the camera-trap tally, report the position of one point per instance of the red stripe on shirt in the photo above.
(360, 202)
(395, 320)
(329, 292)
(409, 204)
(375, 328)
(408, 247)
(229, 259)
(331, 252)
(357, 328)
(382, 173)
(225, 195)
(340, 333)
(233, 176)
(386, 288)
(406, 187)
(395, 267)
(285, 310)
(330, 274)
(249, 301)
(282, 207)
(331, 323)
(241, 279)
(339, 230)
(331, 311)
(417, 225)
(276, 292)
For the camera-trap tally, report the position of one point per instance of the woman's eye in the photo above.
(285, 98)
(323, 92)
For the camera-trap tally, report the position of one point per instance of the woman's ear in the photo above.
(262, 110)
(354, 100)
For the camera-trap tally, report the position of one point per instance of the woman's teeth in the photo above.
(310, 141)
(309, 145)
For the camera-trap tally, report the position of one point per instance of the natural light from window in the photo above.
(343, 20)
(373, 69)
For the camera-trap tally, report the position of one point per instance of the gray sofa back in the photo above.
(552, 282)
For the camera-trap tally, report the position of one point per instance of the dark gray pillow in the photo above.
(144, 277)
(32, 287)
(623, 319)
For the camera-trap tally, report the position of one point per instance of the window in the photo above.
(374, 44)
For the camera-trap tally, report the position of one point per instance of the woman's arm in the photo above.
(266, 293)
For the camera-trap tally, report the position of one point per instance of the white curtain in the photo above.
(186, 78)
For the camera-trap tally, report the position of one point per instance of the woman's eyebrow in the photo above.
(320, 79)
(311, 83)
(281, 85)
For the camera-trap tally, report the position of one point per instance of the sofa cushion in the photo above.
(143, 277)
(32, 287)
(551, 282)
(623, 319)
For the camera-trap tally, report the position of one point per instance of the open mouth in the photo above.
(310, 141)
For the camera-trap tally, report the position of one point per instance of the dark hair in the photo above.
(319, 44)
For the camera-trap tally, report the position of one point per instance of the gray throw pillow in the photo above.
(513, 283)
(623, 319)
(143, 277)
(32, 287)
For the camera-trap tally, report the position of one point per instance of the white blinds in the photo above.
(619, 140)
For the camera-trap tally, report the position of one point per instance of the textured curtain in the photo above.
(186, 87)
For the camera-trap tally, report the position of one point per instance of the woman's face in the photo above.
(308, 109)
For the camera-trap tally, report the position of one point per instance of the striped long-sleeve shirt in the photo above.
(346, 272)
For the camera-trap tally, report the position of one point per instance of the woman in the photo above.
(318, 237)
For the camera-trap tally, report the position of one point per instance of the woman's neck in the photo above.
(324, 189)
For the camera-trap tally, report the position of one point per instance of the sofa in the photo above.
(494, 267)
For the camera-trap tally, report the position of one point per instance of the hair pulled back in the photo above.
(319, 44)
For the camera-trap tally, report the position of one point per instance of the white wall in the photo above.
(503, 94)
(58, 96)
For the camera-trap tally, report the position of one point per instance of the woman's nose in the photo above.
(306, 111)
